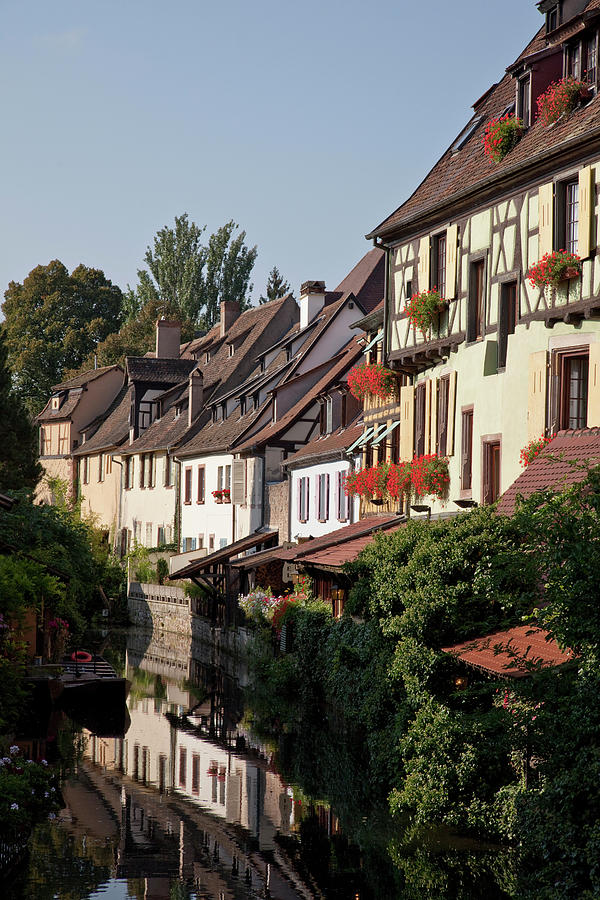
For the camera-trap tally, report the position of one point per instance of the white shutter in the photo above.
(451, 254)
(238, 493)
(586, 186)
(424, 264)
(536, 401)
(593, 410)
(451, 414)
(546, 219)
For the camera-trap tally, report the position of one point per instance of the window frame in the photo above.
(509, 313)
(560, 399)
(343, 500)
(491, 474)
(442, 415)
(187, 486)
(201, 485)
(476, 300)
(467, 419)
(437, 267)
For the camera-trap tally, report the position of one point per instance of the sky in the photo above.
(307, 123)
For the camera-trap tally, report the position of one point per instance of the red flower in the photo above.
(371, 379)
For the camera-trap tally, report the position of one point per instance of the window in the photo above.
(343, 501)
(568, 220)
(343, 409)
(508, 318)
(129, 467)
(195, 773)
(63, 439)
(189, 544)
(491, 471)
(443, 399)
(143, 470)
(395, 452)
(187, 485)
(524, 100)
(466, 474)
(420, 420)
(182, 766)
(227, 485)
(573, 61)
(475, 314)
(552, 19)
(148, 534)
(201, 494)
(590, 59)
(211, 542)
(572, 367)
(86, 470)
(438, 263)
(220, 478)
(108, 464)
(303, 499)
(168, 471)
(161, 536)
(323, 498)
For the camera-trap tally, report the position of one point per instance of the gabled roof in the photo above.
(460, 174)
(81, 380)
(333, 444)
(515, 653)
(337, 367)
(563, 462)
(66, 408)
(221, 435)
(113, 430)
(168, 430)
(162, 371)
(366, 280)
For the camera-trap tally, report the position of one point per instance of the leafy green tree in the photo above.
(19, 466)
(277, 286)
(229, 264)
(53, 320)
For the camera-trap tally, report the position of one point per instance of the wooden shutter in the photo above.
(536, 399)
(584, 241)
(546, 219)
(451, 414)
(593, 410)
(433, 416)
(427, 422)
(407, 421)
(466, 468)
(424, 264)
(238, 488)
(327, 498)
(451, 255)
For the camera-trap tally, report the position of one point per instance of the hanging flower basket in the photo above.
(424, 308)
(370, 483)
(371, 379)
(501, 135)
(560, 98)
(533, 449)
(553, 268)
(399, 481)
(423, 476)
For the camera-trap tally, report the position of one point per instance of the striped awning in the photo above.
(385, 433)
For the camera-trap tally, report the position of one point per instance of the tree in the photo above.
(174, 280)
(188, 280)
(276, 286)
(52, 322)
(19, 466)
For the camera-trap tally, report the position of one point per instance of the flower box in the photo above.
(371, 379)
(423, 309)
(560, 98)
(501, 135)
(553, 268)
(218, 495)
(423, 476)
(226, 495)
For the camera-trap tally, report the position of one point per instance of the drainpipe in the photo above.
(386, 299)
(177, 522)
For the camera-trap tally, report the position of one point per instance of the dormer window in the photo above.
(552, 19)
(215, 413)
(581, 59)
(207, 356)
(223, 410)
(524, 99)
(57, 401)
(242, 406)
(231, 349)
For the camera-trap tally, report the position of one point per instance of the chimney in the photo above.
(168, 339)
(312, 300)
(195, 394)
(230, 310)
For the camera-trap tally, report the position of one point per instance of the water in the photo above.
(176, 797)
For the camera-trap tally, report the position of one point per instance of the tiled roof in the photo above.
(166, 431)
(113, 430)
(366, 280)
(215, 436)
(161, 371)
(81, 380)
(362, 528)
(224, 554)
(66, 408)
(458, 173)
(563, 462)
(333, 444)
(515, 653)
(346, 552)
(339, 364)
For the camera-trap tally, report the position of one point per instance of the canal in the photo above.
(179, 796)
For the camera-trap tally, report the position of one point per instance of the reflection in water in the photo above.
(185, 802)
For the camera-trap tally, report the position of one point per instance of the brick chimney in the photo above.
(230, 310)
(195, 394)
(312, 300)
(168, 339)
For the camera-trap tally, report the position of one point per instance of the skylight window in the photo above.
(466, 133)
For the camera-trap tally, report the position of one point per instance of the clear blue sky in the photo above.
(305, 122)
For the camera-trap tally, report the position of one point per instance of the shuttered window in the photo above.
(476, 305)
(467, 450)
(187, 497)
(343, 500)
(507, 319)
(201, 486)
(323, 498)
(491, 471)
(238, 494)
(442, 415)
(303, 499)
(420, 401)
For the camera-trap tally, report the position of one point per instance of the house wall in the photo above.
(97, 397)
(200, 520)
(249, 515)
(276, 508)
(507, 237)
(331, 341)
(141, 507)
(100, 498)
(313, 527)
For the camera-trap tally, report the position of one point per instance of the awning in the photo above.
(376, 340)
(385, 433)
(362, 439)
(225, 553)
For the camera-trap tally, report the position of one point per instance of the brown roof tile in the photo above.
(216, 436)
(515, 653)
(81, 380)
(459, 173)
(364, 527)
(161, 371)
(113, 430)
(333, 444)
(563, 462)
(366, 280)
(346, 552)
